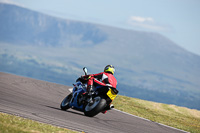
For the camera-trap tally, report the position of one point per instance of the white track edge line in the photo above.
(149, 120)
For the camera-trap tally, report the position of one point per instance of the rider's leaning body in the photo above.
(105, 78)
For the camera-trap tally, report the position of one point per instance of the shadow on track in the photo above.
(66, 110)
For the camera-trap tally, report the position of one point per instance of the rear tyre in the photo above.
(65, 103)
(92, 109)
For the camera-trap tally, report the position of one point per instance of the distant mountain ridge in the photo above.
(30, 27)
(144, 61)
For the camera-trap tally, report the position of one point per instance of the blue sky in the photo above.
(178, 20)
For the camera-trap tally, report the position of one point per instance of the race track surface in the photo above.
(40, 101)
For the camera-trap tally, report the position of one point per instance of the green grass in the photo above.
(171, 115)
(15, 124)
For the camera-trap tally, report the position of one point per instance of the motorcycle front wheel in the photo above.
(97, 105)
(65, 103)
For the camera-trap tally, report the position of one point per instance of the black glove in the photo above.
(82, 79)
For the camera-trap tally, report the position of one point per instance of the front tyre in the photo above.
(92, 109)
(65, 103)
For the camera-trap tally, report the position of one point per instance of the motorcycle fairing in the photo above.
(75, 100)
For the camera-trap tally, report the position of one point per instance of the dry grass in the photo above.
(15, 124)
(171, 115)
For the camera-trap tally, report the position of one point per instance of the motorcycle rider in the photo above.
(105, 78)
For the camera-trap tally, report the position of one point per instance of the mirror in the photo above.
(85, 70)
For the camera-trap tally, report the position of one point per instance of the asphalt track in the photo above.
(40, 101)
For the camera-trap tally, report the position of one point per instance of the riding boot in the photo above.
(89, 88)
(86, 94)
(107, 108)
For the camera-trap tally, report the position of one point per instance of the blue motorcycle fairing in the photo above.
(74, 100)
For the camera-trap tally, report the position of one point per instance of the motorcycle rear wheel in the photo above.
(92, 109)
(65, 103)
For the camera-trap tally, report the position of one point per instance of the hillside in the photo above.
(148, 65)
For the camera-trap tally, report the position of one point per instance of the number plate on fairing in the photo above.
(111, 94)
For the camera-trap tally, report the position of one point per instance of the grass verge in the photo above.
(171, 115)
(15, 124)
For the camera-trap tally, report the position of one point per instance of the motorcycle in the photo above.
(91, 103)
